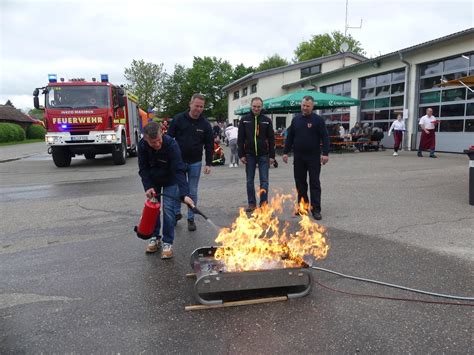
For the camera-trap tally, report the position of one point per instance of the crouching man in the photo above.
(161, 169)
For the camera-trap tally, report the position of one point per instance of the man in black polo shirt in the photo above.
(305, 134)
(193, 132)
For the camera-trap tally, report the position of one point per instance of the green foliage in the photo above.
(177, 92)
(271, 62)
(146, 81)
(38, 114)
(326, 44)
(207, 76)
(35, 131)
(241, 70)
(11, 132)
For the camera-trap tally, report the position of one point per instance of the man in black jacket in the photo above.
(256, 146)
(162, 169)
(305, 135)
(193, 132)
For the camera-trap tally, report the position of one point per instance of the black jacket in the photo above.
(256, 139)
(305, 135)
(192, 135)
(162, 167)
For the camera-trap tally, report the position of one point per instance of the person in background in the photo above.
(428, 136)
(216, 130)
(162, 171)
(356, 133)
(305, 135)
(397, 127)
(256, 147)
(232, 133)
(193, 132)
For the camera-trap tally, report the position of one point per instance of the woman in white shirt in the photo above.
(398, 127)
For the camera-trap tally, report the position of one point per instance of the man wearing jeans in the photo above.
(256, 146)
(162, 171)
(193, 132)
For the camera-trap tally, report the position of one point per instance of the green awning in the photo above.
(291, 102)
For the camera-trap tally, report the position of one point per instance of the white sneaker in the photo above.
(231, 165)
(395, 154)
(153, 245)
(235, 165)
(167, 251)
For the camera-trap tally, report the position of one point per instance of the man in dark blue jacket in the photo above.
(193, 132)
(256, 146)
(305, 135)
(162, 169)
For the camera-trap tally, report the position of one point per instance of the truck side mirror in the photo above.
(121, 101)
(36, 102)
(120, 97)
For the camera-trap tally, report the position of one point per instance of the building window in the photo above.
(236, 95)
(308, 71)
(280, 122)
(382, 97)
(253, 89)
(451, 126)
(339, 115)
(447, 102)
(244, 91)
(469, 126)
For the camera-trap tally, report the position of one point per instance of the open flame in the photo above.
(259, 241)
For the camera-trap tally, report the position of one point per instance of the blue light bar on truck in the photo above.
(104, 78)
(52, 78)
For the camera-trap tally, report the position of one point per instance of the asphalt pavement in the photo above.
(75, 278)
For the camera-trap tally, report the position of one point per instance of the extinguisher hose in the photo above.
(194, 209)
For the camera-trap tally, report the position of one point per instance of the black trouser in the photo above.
(301, 168)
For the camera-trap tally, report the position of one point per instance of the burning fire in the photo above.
(261, 242)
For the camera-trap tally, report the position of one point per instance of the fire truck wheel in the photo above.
(89, 155)
(61, 157)
(120, 152)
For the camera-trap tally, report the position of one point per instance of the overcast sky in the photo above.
(87, 38)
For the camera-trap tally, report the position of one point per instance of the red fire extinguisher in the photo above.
(147, 224)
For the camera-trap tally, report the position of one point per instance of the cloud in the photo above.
(85, 39)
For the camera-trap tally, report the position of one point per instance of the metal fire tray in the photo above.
(214, 285)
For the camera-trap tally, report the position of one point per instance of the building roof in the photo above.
(398, 53)
(9, 113)
(303, 64)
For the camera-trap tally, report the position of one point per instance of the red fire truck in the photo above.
(89, 118)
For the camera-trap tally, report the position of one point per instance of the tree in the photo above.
(208, 76)
(326, 44)
(177, 92)
(146, 81)
(9, 103)
(273, 61)
(241, 70)
(36, 113)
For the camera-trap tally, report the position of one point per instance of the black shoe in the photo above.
(317, 216)
(191, 225)
(433, 156)
(420, 155)
(250, 208)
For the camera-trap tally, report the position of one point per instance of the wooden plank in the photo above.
(198, 307)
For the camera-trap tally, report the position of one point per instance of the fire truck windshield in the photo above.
(77, 97)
